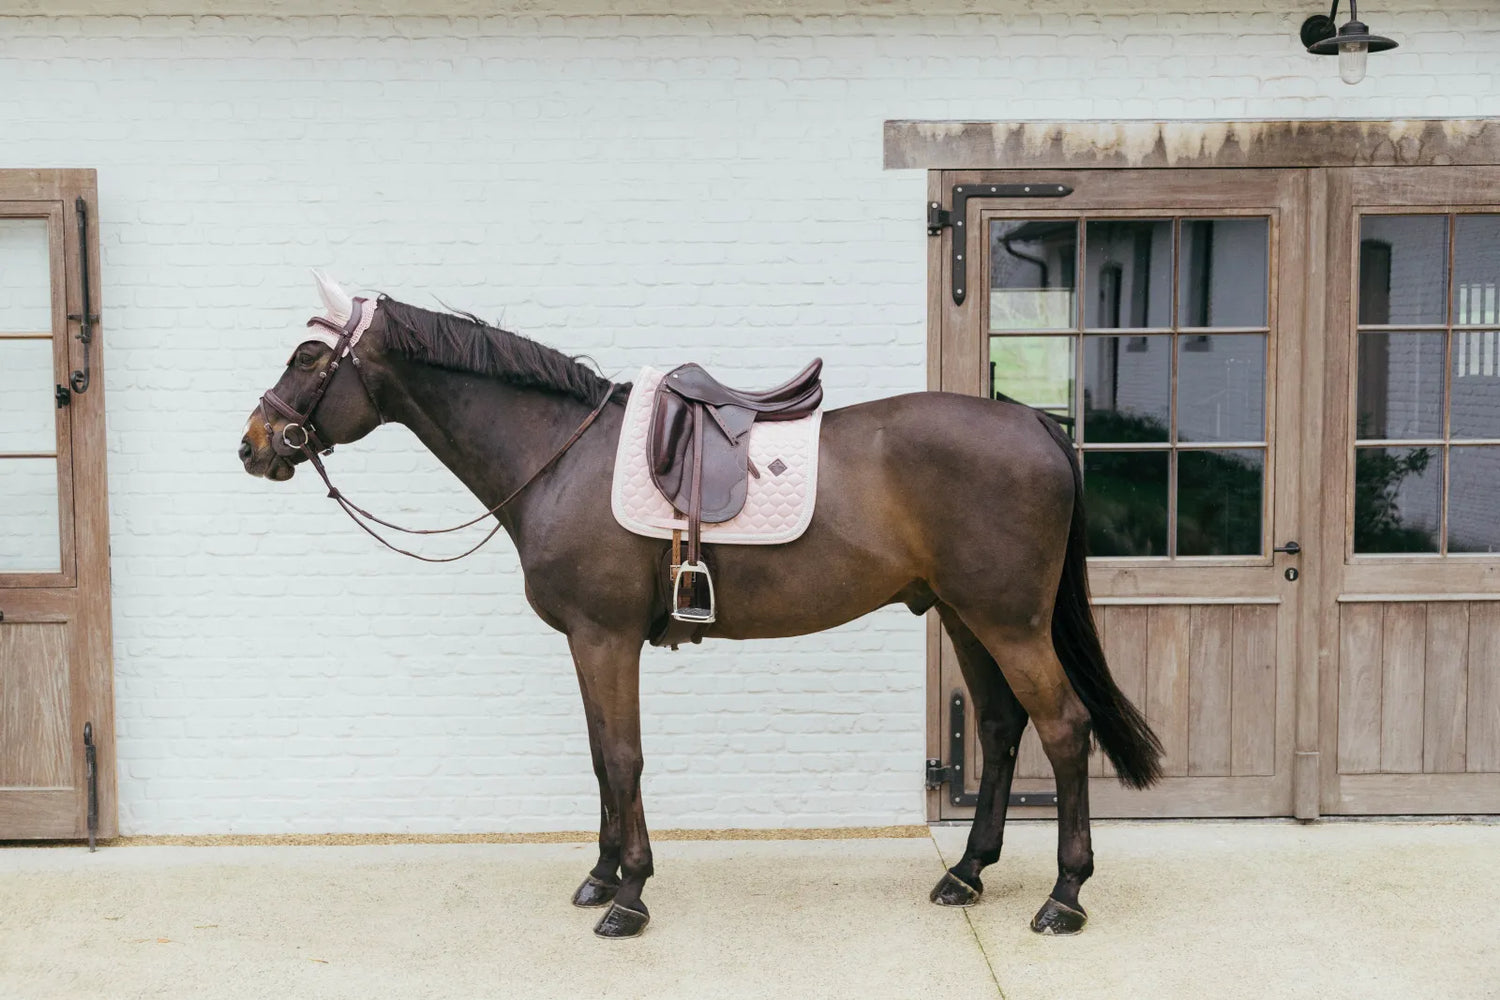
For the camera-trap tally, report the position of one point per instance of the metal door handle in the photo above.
(1290, 548)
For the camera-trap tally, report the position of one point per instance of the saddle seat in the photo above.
(699, 450)
(791, 399)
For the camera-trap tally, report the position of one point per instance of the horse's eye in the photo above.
(306, 359)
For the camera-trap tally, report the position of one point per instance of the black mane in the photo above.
(463, 342)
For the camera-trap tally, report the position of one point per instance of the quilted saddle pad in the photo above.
(778, 505)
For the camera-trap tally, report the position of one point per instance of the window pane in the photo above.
(1472, 489)
(1126, 497)
(1401, 385)
(1476, 383)
(28, 524)
(1225, 272)
(1037, 371)
(1033, 265)
(28, 409)
(1127, 388)
(25, 277)
(1398, 493)
(1476, 271)
(1219, 502)
(1129, 266)
(1403, 269)
(1221, 387)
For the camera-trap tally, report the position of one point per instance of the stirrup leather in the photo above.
(699, 616)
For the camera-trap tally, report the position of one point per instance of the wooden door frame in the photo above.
(1313, 146)
(86, 601)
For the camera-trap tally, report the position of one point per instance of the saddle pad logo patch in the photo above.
(778, 507)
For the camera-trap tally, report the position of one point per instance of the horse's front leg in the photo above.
(609, 667)
(601, 884)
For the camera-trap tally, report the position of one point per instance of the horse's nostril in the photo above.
(245, 450)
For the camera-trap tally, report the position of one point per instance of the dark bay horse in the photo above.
(933, 500)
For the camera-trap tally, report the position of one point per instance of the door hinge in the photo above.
(939, 219)
(952, 775)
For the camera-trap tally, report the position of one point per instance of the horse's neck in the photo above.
(491, 435)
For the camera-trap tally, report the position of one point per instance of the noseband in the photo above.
(343, 341)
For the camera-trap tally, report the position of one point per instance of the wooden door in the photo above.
(54, 537)
(1158, 315)
(1409, 609)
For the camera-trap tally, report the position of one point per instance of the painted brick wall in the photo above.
(639, 188)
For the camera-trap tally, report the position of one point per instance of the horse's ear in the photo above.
(336, 300)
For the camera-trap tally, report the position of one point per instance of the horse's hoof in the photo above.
(954, 891)
(595, 892)
(622, 922)
(1058, 918)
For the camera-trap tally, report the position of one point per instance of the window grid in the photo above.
(1451, 330)
(1079, 333)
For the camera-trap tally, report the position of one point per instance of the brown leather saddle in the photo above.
(699, 449)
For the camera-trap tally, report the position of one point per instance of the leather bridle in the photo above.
(343, 341)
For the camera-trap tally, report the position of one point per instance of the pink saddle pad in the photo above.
(778, 506)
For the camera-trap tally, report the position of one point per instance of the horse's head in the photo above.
(323, 398)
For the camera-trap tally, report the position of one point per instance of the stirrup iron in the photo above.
(699, 616)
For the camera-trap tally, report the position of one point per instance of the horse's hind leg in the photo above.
(1036, 675)
(1001, 722)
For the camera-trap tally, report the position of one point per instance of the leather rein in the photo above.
(347, 337)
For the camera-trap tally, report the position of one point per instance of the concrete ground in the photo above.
(1189, 910)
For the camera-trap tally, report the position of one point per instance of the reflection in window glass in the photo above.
(1403, 269)
(28, 409)
(1129, 273)
(1221, 387)
(1476, 384)
(1476, 271)
(1400, 388)
(1225, 272)
(1037, 371)
(25, 276)
(28, 516)
(1033, 271)
(1126, 497)
(1398, 495)
(1219, 502)
(1474, 483)
(1127, 388)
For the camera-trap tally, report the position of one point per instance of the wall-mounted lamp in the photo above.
(1352, 43)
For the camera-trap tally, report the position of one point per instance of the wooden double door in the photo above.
(1283, 386)
(55, 657)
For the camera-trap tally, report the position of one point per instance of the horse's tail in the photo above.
(1118, 725)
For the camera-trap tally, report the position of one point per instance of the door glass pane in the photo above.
(1221, 387)
(28, 420)
(1476, 271)
(1126, 497)
(1219, 502)
(1033, 271)
(1403, 269)
(1225, 272)
(28, 516)
(1473, 487)
(1400, 385)
(1037, 371)
(1129, 265)
(25, 277)
(1476, 384)
(1398, 493)
(1127, 388)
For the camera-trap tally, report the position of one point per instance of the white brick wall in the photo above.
(640, 188)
